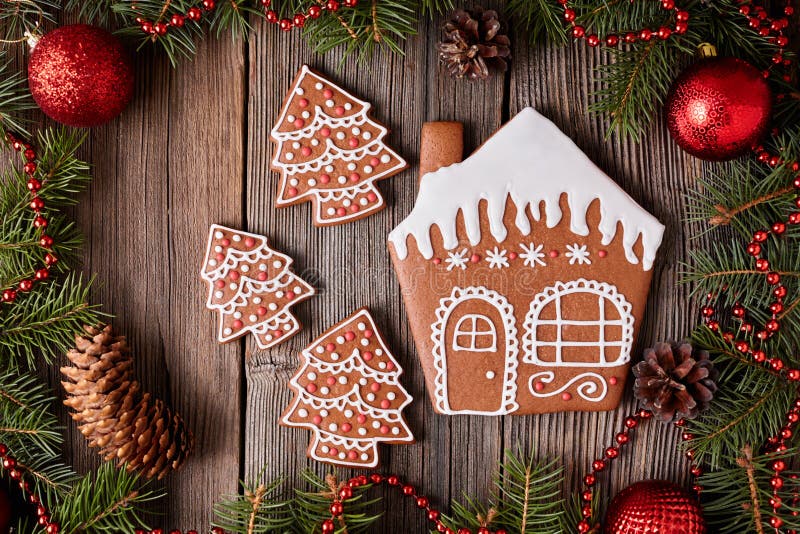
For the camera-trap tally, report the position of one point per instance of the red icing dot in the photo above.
(512, 255)
(613, 380)
(249, 242)
(317, 419)
(303, 103)
(349, 335)
(389, 366)
(353, 142)
(602, 253)
(384, 429)
(367, 356)
(327, 93)
(292, 191)
(361, 418)
(566, 396)
(226, 242)
(299, 123)
(233, 275)
(375, 387)
(339, 110)
(289, 295)
(385, 404)
(355, 177)
(330, 347)
(346, 427)
(220, 283)
(341, 212)
(325, 132)
(220, 256)
(374, 162)
(306, 151)
(352, 455)
(553, 253)
(334, 451)
(330, 380)
(238, 324)
(538, 386)
(312, 388)
(261, 276)
(324, 178)
(368, 333)
(475, 258)
(261, 310)
(372, 197)
(437, 261)
(278, 333)
(354, 208)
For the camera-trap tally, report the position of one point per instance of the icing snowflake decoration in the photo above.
(578, 254)
(532, 254)
(497, 258)
(330, 151)
(252, 287)
(457, 260)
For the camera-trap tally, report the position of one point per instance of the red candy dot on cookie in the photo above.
(372, 197)
(278, 333)
(341, 212)
(566, 396)
(261, 276)
(354, 208)
(352, 455)
(349, 335)
(330, 380)
(220, 256)
(353, 142)
(226, 242)
(317, 419)
(220, 283)
(385, 404)
(375, 387)
(292, 191)
(330, 347)
(389, 366)
(303, 103)
(602, 253)
(538, 386)
(475, 258)
(233, 275)
(512, 255)
(261, 310)
(238, 324)
(289, 295)
(437, 261)
(355, 177)
(312, 388)
(249, 242)
(339, 110)
(347, 427)
(374, 162)
(327, 93)
(299, 123)
(553, 253)
(334, 451)
(368, 333)
(613, 380)
(367, 356)
(361, 418)
(324, 178)
(306, 151)
(325, 132)
(384, 429)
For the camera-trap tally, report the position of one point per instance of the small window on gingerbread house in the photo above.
(475, 333)
(578, 324)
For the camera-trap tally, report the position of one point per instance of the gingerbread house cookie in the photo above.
(525, 272)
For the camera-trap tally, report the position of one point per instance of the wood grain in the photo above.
(194, 149)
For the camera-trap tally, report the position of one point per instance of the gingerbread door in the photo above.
(476, 349)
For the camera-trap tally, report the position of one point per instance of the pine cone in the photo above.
(113, 413)
(472, 44)
(675, 381)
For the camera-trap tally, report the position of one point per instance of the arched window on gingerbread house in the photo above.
(475, 333)
(582, 323)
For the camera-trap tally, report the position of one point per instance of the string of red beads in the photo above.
(160, 27)
(215, 530)
(645, 34)
(759, 20)
(16, 472)
(39, 221)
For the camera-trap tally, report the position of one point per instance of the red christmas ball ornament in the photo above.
(719, 108)
(80, 75)
(654, 506)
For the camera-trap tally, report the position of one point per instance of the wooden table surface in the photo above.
(193, 149)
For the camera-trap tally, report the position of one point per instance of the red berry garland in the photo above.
(160, 28)
(39, 222)
(16, 472)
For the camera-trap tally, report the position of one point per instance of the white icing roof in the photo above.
(532, 161)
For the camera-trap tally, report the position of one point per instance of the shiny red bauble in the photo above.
(719, 108)
(80, 75)
(654, 506)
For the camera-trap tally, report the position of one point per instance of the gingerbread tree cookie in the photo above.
(347, 392)
(330, 152)
(252, 287)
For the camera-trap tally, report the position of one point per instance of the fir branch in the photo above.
(26, 421)
(258, 509)
(311, 507)
(538, 19)
(14, 97)
(18, 17)
(92, 11)
(746, 462)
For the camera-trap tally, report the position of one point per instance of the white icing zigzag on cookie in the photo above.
(529, 161)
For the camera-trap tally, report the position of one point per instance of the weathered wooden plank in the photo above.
(170, 166)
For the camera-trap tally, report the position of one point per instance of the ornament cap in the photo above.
(706, 50)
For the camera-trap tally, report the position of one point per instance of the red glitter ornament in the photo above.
(719, 108)
(80, 75)
(654, 506)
